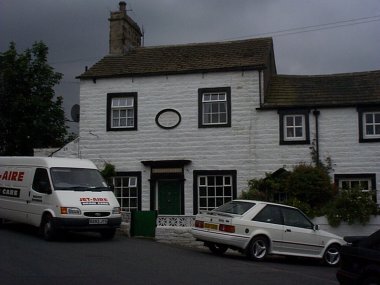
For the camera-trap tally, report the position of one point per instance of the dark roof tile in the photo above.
(188, 58)
(348, 89)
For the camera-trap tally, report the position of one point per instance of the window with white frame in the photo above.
(121, 111)
(369, 124)
(364, 182)
(127, 192)
(213, 188)
(294, 127)
(214, 107)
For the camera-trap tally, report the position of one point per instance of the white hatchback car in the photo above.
(260, 228)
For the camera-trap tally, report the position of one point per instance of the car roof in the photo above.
(262, 203)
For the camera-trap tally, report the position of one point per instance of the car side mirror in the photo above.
(315, 227)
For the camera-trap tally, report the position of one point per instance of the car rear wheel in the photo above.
(218, 249)
(258, 248)
(332, 255)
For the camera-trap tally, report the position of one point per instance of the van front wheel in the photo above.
(47, 228)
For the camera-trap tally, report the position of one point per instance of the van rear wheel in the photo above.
(48, 231)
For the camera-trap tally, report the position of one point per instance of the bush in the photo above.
(351, 206)
(311, 185)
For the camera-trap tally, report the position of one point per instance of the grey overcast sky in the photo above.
(310, 36)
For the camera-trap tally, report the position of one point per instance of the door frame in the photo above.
(166, 170)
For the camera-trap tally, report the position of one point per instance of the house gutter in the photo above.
(316, 114)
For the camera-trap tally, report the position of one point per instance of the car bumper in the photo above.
(83, 224)
(233, 240)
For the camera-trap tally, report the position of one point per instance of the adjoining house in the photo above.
(186, 126)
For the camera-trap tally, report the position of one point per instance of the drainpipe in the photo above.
(316, 113)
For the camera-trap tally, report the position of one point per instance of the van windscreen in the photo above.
(77, 179)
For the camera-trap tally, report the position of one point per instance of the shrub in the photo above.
(351, 206)
(311, 185)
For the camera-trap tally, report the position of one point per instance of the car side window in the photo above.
(270, 214)
(295, 218)
(41, 181)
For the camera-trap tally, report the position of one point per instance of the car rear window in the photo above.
(235, 207)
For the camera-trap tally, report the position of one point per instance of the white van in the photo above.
(57, 194)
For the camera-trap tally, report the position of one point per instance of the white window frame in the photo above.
(350, 181)
(374, 124)
(203, 182)
(118, 106)
(294, 127)
(132, 183)
(211, 98)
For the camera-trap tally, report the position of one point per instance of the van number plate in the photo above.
(98, 221)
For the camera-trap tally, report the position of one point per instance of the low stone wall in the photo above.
(182, 235)
(349, 230)
(177, 235)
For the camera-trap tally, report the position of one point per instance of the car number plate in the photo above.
(98, 221)
(211, 226)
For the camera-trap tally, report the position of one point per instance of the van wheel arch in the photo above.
(47, 229)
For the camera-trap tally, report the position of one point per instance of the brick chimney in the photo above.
(125, 34)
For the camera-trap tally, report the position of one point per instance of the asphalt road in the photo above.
(86, 259)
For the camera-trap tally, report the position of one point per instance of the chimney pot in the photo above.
(122, 7)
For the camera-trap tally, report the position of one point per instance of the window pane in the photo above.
(377, 118)
(290, 132)
(211, 191)
(227, 191)
(369, 118)
(298, 120)
(130, 122)
(202, 191)
(222, 97)
(203, 202)
(206, 108)
(115, 123)
(123, 122)
(202, 180)
(206, 97)
(210, 180)
(298, 132)
(122, 102)
(219, 180)
(377, 129)
(214, 118)
(369, 130)
(214, 97)
(345, 185)
(289, 121)
(211, 203)
(115, 102)
(223, 118)
(364, 185)
(227, 180)
(219, 191)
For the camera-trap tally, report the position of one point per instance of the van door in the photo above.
(39, 196)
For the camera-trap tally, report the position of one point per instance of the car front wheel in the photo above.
(258, 248)
(332, 255)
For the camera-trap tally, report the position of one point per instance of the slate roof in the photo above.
(187, 58)
(348, 89)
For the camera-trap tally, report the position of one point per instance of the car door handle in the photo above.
(288, 230)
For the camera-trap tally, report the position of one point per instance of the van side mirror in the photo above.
(315, 227)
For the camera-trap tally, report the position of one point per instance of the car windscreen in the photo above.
(77, 179)
(235, 207)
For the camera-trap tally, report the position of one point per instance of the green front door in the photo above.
(169, 197)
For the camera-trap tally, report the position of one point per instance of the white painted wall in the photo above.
(207, 148)
(338, 139)
(251, 146)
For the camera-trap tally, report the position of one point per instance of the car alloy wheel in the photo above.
(332, 255)
(258, 249)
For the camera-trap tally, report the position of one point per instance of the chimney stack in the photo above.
(125, 34)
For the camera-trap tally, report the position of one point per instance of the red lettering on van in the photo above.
(12, 176)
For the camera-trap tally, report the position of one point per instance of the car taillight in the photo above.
(227, 228)
(199, 224)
